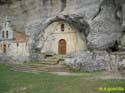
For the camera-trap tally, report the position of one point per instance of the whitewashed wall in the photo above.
(21, 49)
(53, 34)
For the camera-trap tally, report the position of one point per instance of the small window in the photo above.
(4, 48)
(1, 46)
(26, 43)
(62, 27)
(17, 44)
(3, 34)
(7, 34)
(8, 45)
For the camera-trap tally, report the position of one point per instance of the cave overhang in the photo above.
(76, 21)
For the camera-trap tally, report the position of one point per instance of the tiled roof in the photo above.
(20, 37)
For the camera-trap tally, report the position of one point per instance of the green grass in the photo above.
(20, 82)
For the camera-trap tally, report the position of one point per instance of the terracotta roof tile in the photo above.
(20, 37)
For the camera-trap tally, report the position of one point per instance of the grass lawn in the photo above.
(20, 82)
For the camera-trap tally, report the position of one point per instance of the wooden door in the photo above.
(4, 48)
(62, 47)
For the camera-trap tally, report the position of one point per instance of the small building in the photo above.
(12, 42)
(62, 38)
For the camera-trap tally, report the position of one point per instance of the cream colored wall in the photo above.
(1, 47)
(13, 50)
(22, 49)
(53, 34)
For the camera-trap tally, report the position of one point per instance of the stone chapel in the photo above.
(61, 38)
(12, 42)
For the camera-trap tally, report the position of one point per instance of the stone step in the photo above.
(41, 68)
(52, 69)
(51, 60)
(44, 63)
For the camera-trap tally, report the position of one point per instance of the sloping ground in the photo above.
(99, 75)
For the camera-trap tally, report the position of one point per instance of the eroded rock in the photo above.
(89, 61)
(106, 26)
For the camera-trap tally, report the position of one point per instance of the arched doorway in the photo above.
(62, 47)
(4, 48)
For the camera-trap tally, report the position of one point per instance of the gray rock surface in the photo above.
(96, 61)
(106, 26)
(99, 20)
(89, 61)
(4, 58)
(102, 16)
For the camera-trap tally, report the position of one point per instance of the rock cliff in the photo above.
(104, 17)
(101, 21)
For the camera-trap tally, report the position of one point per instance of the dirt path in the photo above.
(94, 75)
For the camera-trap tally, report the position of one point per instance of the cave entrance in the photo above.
(115, 47)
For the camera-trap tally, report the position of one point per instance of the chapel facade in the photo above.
(62, 38)
(12, 42)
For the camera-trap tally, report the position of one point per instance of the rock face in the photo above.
(106, 26)
(96, 61)
(88, 61)
(103, 17)
(99, 20)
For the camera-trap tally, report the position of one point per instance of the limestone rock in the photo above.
(99, 20)
(88, 61)
(102, 16)
(106, 26)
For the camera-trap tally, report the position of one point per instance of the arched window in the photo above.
(4, 48)
(3, 34)
(17, 44)
(8, 45)
(1, 46)
(26, 44)
(6, 34)
(62, 27)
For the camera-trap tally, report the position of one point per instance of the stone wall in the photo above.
(4, 58)
(18, 59)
